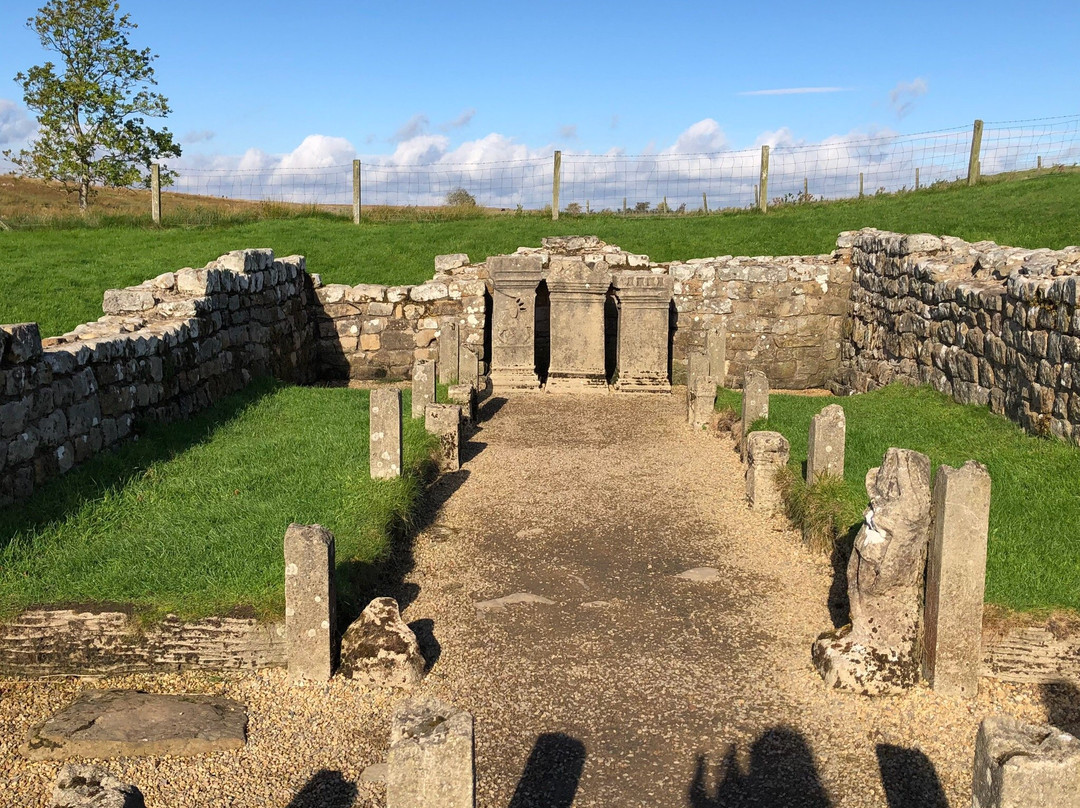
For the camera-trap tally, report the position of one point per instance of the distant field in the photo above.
(56, 275)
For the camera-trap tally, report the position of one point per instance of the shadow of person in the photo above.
(552, 772)
(781, 773)
(325, 789)
(1062, 702)
(909, 778)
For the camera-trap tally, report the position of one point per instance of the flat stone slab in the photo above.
(129, 723)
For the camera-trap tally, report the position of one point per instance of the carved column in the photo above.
(577, 294)
(644, 300)
(513, 315)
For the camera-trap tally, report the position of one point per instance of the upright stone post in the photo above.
(310, 602)
(469, 367)
(464, 395)
(430, 764)
(878, 651)
(700, 401)
(449, 350)
(423, 387)
(697, 366)
(755, 402)
(716, 348)
(513, 321)
(384, 433)
(767, 453)
(825, 449)
(1024, 765)
(444, 420)
(578, 291)
(956, 579)
(644, 326)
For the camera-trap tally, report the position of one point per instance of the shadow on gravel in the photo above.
(488, 407)
(325, 789)
(552, 773)
(430, 647)
(1062, 701)
(839, 606)
(470, 449)
(909, 778)
(781, 773)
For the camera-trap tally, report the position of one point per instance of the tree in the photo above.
(460, 198)
(91, 109)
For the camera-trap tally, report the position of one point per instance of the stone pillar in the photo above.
(644, 328)
(513, 320)
(825, 449)
(755, 402)
(469, 367)
(578, 292)
(449, 350)
(423, 387)
(878, 651)
(767, 453)
(444, 420)
(310, 602)
(956, 579)
(716, 348)
(1023, 765)
(700, 401)
(697, 366)
(464, 395)
(430, 764)
(384, 433)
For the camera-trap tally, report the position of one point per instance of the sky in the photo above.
(274, 84)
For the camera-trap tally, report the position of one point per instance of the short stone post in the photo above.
(767, 453)
(469, 367)
(755, 402)
(716, 348)
(700, 401)
(444, 420)
(697, 366)
(1023, 765)
(956, 579)
(825, 450)
(423, 387)
(464, 395)
(449, 350)
(310, 602)
(384, 428)
(430, 764)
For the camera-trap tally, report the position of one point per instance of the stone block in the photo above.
(1024, 765)
(21, 342)
(449, 350)
(766, 454)
(956, 579)
(446, 263)
(380, 649)
(755, 403)
(469, 367)
(430, 764)
(423, 387)
(464, 395)
(384, 426)
(310, 602)
(716, 348)
(444, 420)
(825, 449)
(700, 401)
(85, 786)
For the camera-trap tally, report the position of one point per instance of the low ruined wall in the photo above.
(164, 350)
(989, 325)
(41, 642)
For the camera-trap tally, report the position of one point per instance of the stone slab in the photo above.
(127, 723)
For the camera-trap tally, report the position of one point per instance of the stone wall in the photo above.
(989, 325)
(164, 350)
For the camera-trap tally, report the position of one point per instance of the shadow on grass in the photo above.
(112, 470)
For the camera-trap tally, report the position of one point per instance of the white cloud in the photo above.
(703, 136)
(797, 91)
(460, 121)
(198, 136)
(16, 126)
(568, 131)
(904, 94)
(779, 137)
(416, 125)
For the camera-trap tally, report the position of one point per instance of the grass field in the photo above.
(191, 517)
(56, 276)
(1034, 547)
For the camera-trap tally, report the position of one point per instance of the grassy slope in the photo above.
(1034, 548)
(191, 517)
(57, 276)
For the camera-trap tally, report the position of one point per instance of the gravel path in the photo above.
(634, 688)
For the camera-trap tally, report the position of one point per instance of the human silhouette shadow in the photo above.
(552, 772)
(781, 774)
(1062, 700)
(325, 789)
(909, 778)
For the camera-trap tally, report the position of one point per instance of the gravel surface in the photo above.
(634, 687)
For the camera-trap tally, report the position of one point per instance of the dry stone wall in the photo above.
(986, 324)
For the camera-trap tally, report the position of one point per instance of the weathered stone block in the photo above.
(444, 420)
(755, 403)
(423, 387)
(766, 454)
(469, 367)
(310, 601)
(446, 263)
(430, 764)
(700, 401)
(384, 423)
(825, 450)
(380, 649)
(956, 579)
(85, 786)
(449, 350)
(464, 395)
(1024, 765)
(123, 301)
(21, 342)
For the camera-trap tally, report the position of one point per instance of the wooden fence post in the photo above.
(356, 191)
(860, 185)
(704, 202)
(155, 193)
(763, 187)
(555, 179)
(973, 160)
(916, 179)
